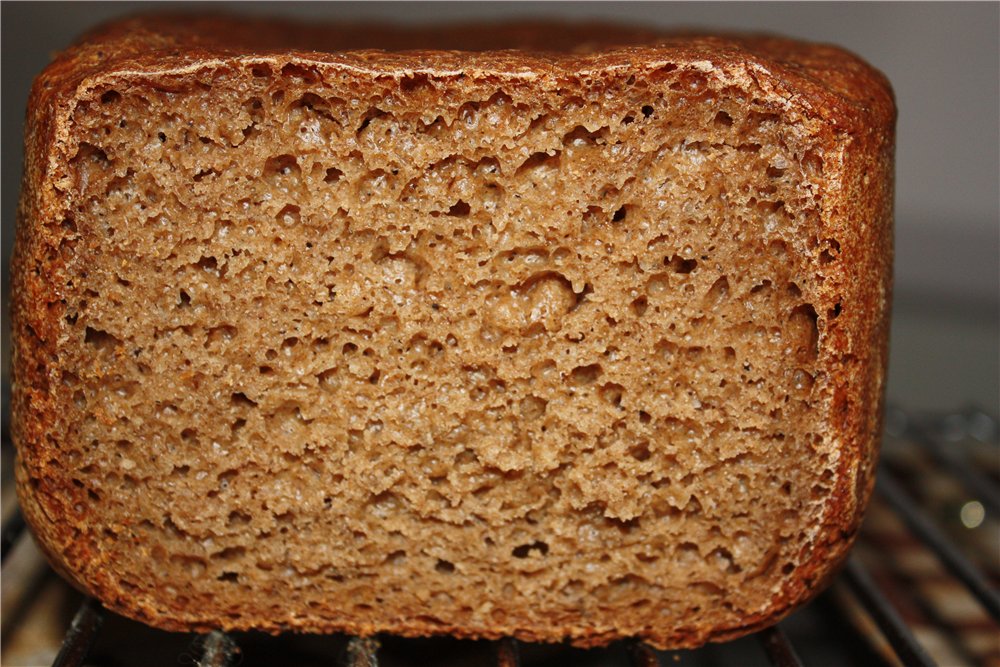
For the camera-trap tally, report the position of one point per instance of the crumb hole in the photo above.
(724, 119)
(525, 550)
(583, 375)
(459, 209)
(101, 340)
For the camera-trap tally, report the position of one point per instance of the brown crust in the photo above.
(853, 102)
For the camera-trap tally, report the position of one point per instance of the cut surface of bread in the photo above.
(561, 345)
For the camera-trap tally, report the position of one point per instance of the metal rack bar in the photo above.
(11, 530)
(778, 648)
(889, 621)
(938, 439)
(219, 650)
(929, 534)
(508, 653)
(976, 483)
(362, 652)
(641, 655)
(81, 635)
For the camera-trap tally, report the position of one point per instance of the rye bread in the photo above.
(557, 332)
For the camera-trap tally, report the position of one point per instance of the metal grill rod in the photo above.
(362, 652)
(937, 439)
(888, 619)
(219, 650)
(81, 635)
(641, 655)
(929, 534)
(978, 484)
(778, 648)
(508, 653)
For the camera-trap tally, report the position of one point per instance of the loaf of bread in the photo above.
(564, 333)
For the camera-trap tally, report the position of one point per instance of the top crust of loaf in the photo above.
(825, 85)
(824, 81)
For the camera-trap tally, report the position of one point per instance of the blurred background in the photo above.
(944, 62)
(942, 59)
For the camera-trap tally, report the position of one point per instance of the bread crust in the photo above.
(852, 102)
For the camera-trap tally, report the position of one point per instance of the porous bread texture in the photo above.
(431, 352)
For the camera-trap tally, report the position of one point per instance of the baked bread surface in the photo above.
(559, 332)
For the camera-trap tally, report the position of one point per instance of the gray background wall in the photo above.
(943, 60)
